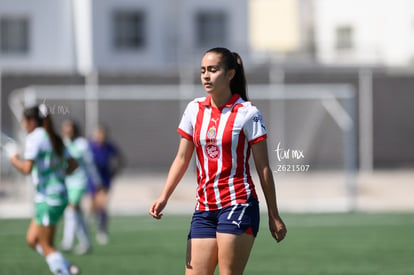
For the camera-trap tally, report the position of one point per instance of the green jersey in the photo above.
(79, 150)
(48, 171)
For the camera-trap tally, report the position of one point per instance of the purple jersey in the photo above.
(102, 155)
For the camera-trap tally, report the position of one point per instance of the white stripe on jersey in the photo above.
(221, 127)
(234, 166)
(203, 133)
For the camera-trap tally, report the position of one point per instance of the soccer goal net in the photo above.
(311, 130)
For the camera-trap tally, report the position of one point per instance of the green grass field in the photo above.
(316, 244)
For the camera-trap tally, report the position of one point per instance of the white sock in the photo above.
(39, 250)
(57, 264)
(69, 229)
(82, 232)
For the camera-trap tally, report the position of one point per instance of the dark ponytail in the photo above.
(76, 129)
(43, 119)
(232, 60)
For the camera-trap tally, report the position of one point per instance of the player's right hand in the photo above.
(11, 149)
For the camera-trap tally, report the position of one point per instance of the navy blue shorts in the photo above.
(92, 188)
(235, 219)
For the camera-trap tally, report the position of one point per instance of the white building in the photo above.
(36, 35)
(373, 32)
(114, 35)
(281, 29)
(83, 35)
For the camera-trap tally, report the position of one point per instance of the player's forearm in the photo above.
(72, 166)
(176, 173)
(24, 167)
(178, 167)
(269, 190)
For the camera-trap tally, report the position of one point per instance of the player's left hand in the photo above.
(156, 208)
(277, 228)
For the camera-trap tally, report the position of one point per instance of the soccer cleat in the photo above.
(102, 238)
(74, 270)
(83, 249)
(65, 248)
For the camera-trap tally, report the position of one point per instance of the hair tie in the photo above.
(43, 110)
(237, 59)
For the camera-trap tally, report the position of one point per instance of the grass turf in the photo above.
(356, 243)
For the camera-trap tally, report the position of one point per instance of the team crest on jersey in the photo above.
(212, 132)
(212, 151)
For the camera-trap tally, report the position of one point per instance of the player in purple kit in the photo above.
(108, 163)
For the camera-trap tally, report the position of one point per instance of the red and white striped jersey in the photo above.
(222, 139)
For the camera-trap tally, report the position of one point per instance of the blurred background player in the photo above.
(47, 159)
(108, 162)
(223, 129)
(77, 183)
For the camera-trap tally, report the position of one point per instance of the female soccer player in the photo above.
(223, 128)
(77, 183)
(108, 162)
(46, 158)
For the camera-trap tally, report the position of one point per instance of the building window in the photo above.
(129, 30)
(344, 38)
(211, 29)
(14, 35)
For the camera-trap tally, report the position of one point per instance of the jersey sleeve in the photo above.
(186, 128)
(32, 146)
(254, 127)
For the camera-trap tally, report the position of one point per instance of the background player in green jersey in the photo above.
(77, 183)
(46, 158)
